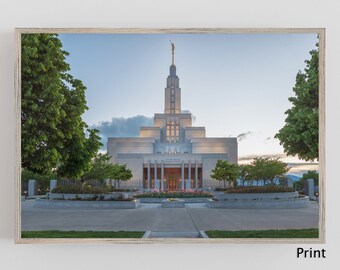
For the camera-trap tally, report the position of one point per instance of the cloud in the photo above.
(271, 140)
(122, 127)
(243, 136)
(300, 169)
(194, 118)
(249, 158)
(296, 167)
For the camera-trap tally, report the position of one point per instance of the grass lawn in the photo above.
(296, 233)
(80, 234)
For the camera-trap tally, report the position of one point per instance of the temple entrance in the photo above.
(172, 176)
(172, 183)
(173, 179)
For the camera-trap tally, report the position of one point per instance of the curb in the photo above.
(146, 234)
(203, 234)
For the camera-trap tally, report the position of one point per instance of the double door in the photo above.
(172, 182)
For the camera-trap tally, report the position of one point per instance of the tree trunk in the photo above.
(82, 183)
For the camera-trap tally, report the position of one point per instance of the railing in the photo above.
(73, 182)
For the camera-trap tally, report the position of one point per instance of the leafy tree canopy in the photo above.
(120, 173)
(300, 134)
(245, 172)
(300, 185)
(52, 130)
(225, 171)
(268, 169)
(101, 169)
(311, 175)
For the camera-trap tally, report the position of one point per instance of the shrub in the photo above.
(121, 199)
(113, 189)
(96, 198)
(264, 189)
(221, 189)
(77, 189)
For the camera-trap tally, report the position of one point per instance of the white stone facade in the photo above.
(180, 152)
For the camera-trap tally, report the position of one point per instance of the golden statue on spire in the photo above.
(173, 52)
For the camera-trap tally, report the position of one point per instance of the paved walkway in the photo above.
(187, 205)
(151, 217)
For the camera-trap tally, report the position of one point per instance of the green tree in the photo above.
(226, 172)
(300, 185)
(311, 175)
(268, 169)
(52, 103)
(99, 168)
(244, 173)
(119, 173)
(76, 161)
(300, 134)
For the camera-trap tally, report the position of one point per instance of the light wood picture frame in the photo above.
(322, 163)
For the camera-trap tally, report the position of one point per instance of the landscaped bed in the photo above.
(259, 203)
(290, 233)
(79, 189)
(96, 198)
(81, 234)
(178, 194)
(90, 197)
(88, 189)
(258, 197)
(113, 203)
(261, 189)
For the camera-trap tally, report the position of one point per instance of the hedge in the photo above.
(77, 189)
(198, 194)
(262, 189)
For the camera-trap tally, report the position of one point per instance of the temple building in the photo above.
(172, 154)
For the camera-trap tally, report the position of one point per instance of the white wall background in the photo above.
(171, 13)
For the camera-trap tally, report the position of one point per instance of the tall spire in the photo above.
(173, 52)
(172, 90)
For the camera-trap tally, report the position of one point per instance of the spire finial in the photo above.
(173, 52)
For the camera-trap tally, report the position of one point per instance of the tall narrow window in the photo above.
(172, 132)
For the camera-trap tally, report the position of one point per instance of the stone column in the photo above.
(148, 174)
(162, 175)
(32, 188)
(196, 174)
(53, 184)
(310, 187)
(189, 173)
(155, 174)
(290, 182)
(183, 180)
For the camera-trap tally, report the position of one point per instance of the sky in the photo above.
(236, 85)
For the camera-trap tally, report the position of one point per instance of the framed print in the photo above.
(170, 135)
